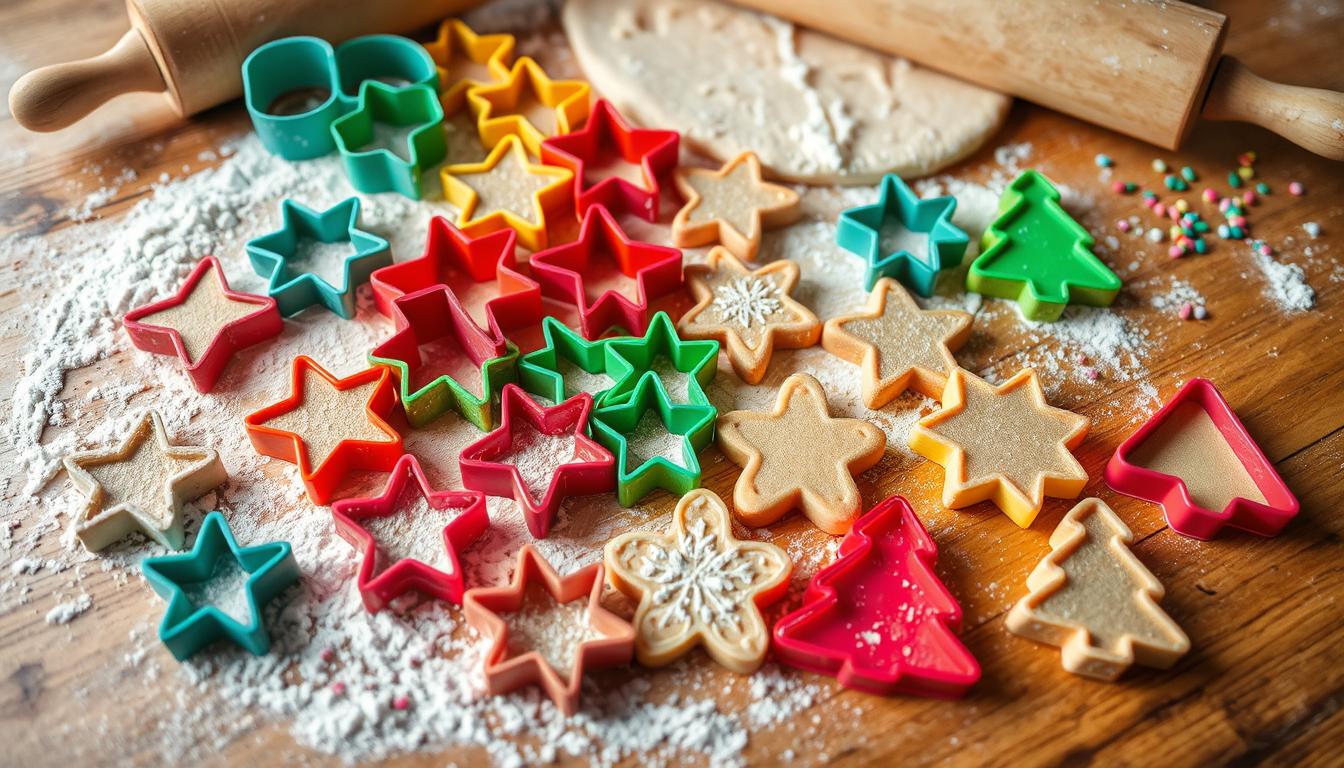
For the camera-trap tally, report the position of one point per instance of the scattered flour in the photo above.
(68, 611)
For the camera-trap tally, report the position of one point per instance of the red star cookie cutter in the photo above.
(592, 468)
(380, 587)
(323, 480)
(229, 338)
(466, 264)
(604, 140)
(565, 273)
(611, 643)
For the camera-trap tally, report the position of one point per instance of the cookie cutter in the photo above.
(272, 256)
(1186, 516)
(633, 359)
(435, 316)
(380, 169)
(548, 198)
(591, 471)
(323, 480)
(187, 628)
(539, 371)
(456, 42)
(561, 271)
(878, 618)
(229, 339)
(613, 424)
(607, 133)
(498, 106)
(613, 647)
(378, 588)
(1043, 265)
(860, 231)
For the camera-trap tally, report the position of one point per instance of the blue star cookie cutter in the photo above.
(540, 371)
(632, 359)
(614, 425)
(899, 212)
(277, 256)
(378, 168)
(187, 626)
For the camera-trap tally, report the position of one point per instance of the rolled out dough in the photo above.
(813, 108)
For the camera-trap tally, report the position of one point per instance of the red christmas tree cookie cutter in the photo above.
(565, 272)
(344, 454)
(605, 140)
(379, 587)
(591, 470)
(878, 618)
(191, 301)
(465, 264)
(1186, 438)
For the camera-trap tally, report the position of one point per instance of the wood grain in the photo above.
(1265, 679)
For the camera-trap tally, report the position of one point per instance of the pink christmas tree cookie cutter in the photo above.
(378, 587)
(1196, 459)
(530, 436)
(878, 618)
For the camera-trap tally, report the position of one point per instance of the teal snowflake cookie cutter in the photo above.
(694, 425)
(1035, 253)
(631, 359)
(539, 370)
(274, 257)
(379, 169)
(860, 231)
(186, 627)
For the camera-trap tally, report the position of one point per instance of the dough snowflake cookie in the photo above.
(749, 312)
(732, 206)
(775, 478)
(697, 584)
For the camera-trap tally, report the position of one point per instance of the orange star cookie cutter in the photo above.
(545, 198)
(698, 585)
(774, 480)
(968, 414)
(341, 454)
(1075, 608)
(506, 671)
(897, 345)
(732, 206)
(133, 506)
(749, 312)
(466, 60)
(501, 112)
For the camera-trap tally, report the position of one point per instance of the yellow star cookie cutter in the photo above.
(500, 108)
(461, 57)
(696, 584)
(464, 184)
(732, 206)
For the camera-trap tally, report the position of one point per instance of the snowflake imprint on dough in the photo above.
(748, 300)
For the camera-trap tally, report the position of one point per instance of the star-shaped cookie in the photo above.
(140, 485)
(898, 345)
(776, 478)
(1004, 444)
(507, 191)
(748, 311)
(696, 584)
(731, 205)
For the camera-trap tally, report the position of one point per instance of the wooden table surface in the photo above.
(1264, 680)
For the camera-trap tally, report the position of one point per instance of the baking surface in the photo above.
(1264, 679)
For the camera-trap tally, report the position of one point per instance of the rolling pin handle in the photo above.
(1312, 118)
(53, 97)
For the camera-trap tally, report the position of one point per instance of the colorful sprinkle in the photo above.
(1250, 197)
(401, 703)
(1262, 188)
(1201, 246)
(328, 654)
(1246, 173)
(1104, 160)
(1211, 194)
(1092, 374)
(1122, 225)
(1233, 180)
(1156, 235)
(1201, 313)
(1182, 206)
(1312, 228)
(1296, 189)
(1186, 311)
(1159, 165)
(1176, 251)
(1246, 158)
(1188, 173)
(338, 688)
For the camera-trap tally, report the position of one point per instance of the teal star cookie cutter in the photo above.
(379, 169)
(860, 231)
(613, 424)
(187, 627)
(539, 370)
(631, 359)
(276, 256)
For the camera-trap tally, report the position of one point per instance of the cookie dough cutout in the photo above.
(732, 206)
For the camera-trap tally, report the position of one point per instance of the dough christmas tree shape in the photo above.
(1035, 253)
(878, 618)
(1093, 598)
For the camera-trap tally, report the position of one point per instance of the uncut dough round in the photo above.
(814, 109)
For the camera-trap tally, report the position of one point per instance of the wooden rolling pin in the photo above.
(1143, 68)
(193, 51)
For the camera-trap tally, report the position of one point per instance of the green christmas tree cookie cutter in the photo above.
(694, 425)
(187, 627)
(860, 231)
(631, 360)
(379, 169)
(539, 371)
(1036, 253)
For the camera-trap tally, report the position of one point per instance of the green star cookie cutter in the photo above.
(379, 169)
(188, 627)
(631, 360)
(276, 256)
(860, 232)
(539, 371)
(1036, 253)
(612, 424)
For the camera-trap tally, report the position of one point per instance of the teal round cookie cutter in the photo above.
(379, 169)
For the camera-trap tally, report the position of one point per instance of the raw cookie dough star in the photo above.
(777, 477)
(898, 344)
(1004, 444)
(731, 205)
